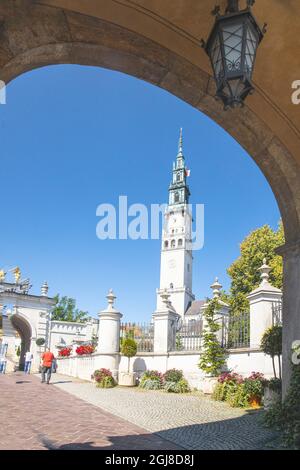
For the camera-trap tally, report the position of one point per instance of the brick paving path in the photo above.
(40, 416)
(191, 421)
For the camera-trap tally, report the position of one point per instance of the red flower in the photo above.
(85, 349)
(65, 352)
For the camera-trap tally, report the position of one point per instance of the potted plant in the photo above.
(128, 349)
(271, 344)
(213, 358)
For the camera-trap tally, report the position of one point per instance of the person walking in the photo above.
(2, 364)
(47, 359)
(28, 359)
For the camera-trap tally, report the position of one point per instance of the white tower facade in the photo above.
(176, 251)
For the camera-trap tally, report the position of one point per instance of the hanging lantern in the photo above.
(232, 47)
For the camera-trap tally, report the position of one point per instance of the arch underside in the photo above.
(24, 330)
(100, 43)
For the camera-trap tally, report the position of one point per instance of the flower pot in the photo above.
(208, 384)
(271, 397)
(255, 402)
(127, 379)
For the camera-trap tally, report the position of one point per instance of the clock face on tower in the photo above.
(172, 263)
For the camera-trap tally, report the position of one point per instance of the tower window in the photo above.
(166, 244)
(176, 198)
(180, 242)
(173, 244)
(188, 268)
(171, 286)
(178, 177)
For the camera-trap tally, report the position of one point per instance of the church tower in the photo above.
(176, 250)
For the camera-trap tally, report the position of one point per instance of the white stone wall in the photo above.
(242, 361)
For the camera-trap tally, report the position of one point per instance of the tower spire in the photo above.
(180, 144)
(178, 190)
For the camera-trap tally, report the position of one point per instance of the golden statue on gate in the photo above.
(17, 274)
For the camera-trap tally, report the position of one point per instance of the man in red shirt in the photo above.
(47, 359)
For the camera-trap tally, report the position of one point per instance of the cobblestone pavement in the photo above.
(40, 416)
(191, 421)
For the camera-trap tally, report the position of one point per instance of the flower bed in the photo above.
(103, 378)
(85, 349)
(172, 381)
(240, 392)
(65, 352)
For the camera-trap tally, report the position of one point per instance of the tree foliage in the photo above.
(65, 310)
(271, 344)
(213, 357)
(128, 349)
(245, 277)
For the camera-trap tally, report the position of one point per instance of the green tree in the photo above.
(129, 349)
(271, 344)
(65, 310)
(213, 357)
(245, 277)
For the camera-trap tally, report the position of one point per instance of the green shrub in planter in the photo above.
(152, 376)
(129, 349)
(106, 382)
(150, 384)
(103, 378)
(181, 386)
(173, 375)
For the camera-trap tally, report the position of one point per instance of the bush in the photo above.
(213, 357)
(106, 382)
(286, 416)
(238, 397)
(274, 384)
(103, 378)
(254, 385)
(171, 381)
(128, 349)
(173, 375)
(153, 376)
(271, 344)
(239, 392)
(181, 386)
(40, 341)
(150, 384)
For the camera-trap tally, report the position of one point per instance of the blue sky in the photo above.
(74, 137)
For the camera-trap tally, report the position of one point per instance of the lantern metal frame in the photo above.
(232, 46)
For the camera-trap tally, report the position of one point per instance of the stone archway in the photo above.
(22, 326)
(159, 43)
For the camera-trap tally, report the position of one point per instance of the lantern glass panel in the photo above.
(251, 46)
(216, 57)
(233, 43)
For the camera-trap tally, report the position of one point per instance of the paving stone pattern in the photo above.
(40, 416)
(192, 421)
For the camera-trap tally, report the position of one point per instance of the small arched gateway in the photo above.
(27, 316)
